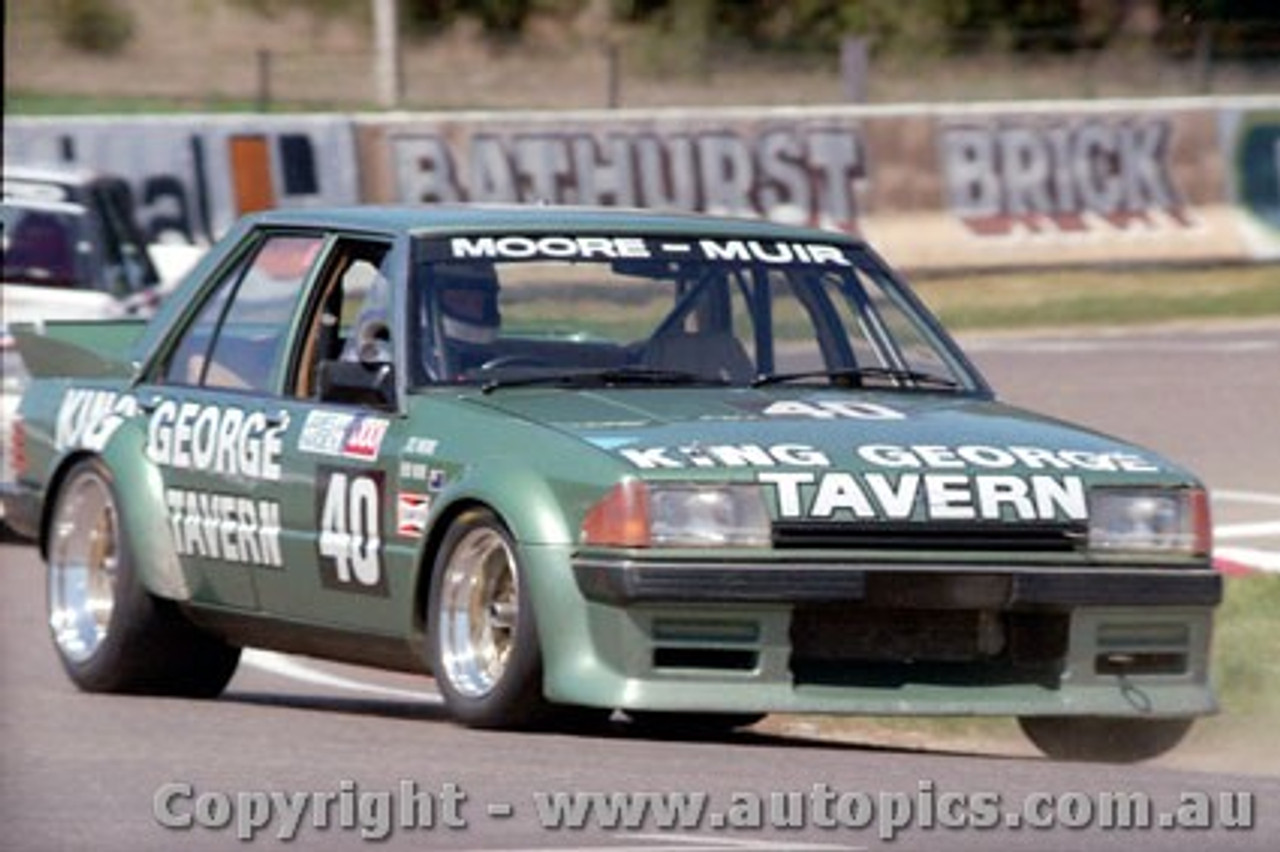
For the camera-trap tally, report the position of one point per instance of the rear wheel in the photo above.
(110, 633)
(484, 639)
(1102, 739)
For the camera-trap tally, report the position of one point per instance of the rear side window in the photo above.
(238, 339)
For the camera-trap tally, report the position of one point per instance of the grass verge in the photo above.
(1092, 297)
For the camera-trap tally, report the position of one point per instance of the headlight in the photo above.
(1150, 520)
(636, 514)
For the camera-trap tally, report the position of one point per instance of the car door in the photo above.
(344, 567)
(216, 425)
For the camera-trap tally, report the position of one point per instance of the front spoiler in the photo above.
(631, 631)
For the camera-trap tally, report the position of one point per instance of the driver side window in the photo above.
(236, 340)
(351, 319)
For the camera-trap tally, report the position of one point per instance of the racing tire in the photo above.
(483, 635)
(1103, 739)
(662, 723)
(110, 633)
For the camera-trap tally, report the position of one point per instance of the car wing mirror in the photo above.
(357, 383)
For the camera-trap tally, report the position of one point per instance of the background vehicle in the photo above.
(71, 250)
(695, 469)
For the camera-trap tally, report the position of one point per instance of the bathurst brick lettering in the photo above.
(1061, 178)
(802, 175)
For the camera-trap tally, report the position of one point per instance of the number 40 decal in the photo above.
(350, 523)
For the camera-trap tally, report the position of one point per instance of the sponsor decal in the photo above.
(413, 470)
(416, 446)
(900, 482)
(349, 518)
(725, 455)
(936, 456)
(354, 436)
(226, 527)
(218, 439)
(841, 495)
(937, 484)
(832, 409)
(87, 418)
(365, 439)
(434, 477)
(411, 514)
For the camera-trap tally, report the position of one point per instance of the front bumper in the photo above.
(895, 638)
(629, 581)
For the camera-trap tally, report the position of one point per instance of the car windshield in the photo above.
(639, 311)
(44, 244)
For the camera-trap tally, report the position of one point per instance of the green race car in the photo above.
(571, 461)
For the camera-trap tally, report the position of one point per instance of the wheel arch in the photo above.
(522, 502)
(448, 514)
(143, 513)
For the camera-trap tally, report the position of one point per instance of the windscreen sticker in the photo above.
(580, 248)
(332, 433)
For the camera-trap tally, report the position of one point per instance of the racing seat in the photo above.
(717, 355)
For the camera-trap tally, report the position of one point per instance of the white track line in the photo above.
(1230, 496)
(287, 667)
(1258, 530)
(1258, 560)
(1252, 558)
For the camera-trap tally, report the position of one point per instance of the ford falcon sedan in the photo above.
(570, 463)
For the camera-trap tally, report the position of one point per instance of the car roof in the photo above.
(69, 208)
(422, 220)
(59, 175)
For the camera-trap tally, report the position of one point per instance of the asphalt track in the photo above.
(90, 772)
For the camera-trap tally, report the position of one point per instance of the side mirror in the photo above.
(356, 383)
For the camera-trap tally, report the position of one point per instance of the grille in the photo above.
(937, 536)
(864, 646)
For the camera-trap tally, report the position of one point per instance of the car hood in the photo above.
(829, 454)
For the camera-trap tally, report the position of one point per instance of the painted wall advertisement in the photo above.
(193, 176)
(932, 187)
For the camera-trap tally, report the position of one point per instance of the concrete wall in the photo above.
(983, 186)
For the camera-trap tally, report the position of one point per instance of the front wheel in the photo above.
(110, 633)
(1103, 739)
(483, 636)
